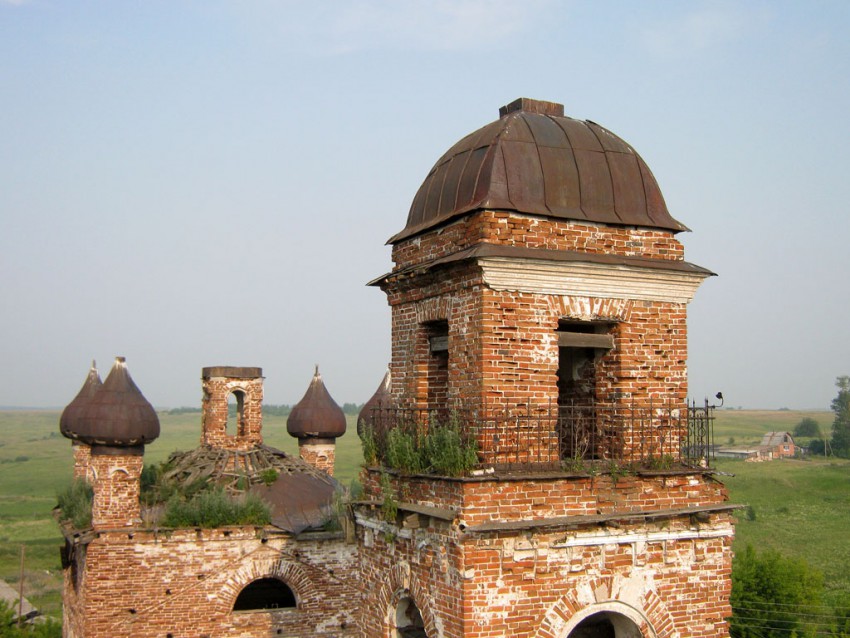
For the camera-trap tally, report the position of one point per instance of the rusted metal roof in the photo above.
(299, 501)
(316, 415)
(381, 399)
(115, 415)
(535, 160)
(70, 422)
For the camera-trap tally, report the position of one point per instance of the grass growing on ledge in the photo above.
(442, 450)
(215, 508)
(75, 503)
(448, 452)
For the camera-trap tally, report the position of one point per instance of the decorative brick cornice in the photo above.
(589, 279)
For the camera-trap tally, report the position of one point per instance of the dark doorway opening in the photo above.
(408, 620)
(438, 365)
(580, 423)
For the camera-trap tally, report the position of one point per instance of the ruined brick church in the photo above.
(538, 297)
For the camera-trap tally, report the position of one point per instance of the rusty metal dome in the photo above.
(535, 160)
(116, 415)
(70, 423)
(316, 415)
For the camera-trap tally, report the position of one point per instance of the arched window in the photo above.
(606, 624)
(265, 593)
(235, 424)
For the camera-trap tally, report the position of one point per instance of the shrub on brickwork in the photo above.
(442, 449)
(447, 452)
(404, 452)
(389, 506)
(75, 503)
(268, 476)
(155, 488)
(216, 508)
(369, 442)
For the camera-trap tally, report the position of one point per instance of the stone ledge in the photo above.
(594, 519)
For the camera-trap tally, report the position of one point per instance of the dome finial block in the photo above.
(532, 106)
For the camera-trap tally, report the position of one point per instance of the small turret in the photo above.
(70, 423)
(116, 415)
(370, 413)
(316, 421)
(115, 421)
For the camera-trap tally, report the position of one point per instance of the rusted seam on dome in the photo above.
(610, 173)
(582, 216)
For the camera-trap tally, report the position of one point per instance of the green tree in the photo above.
(807, 427)
(46, 628)
(773, 596)
(841, 425)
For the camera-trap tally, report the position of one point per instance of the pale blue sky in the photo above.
(212, 183)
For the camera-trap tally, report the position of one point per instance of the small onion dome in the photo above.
(316, 415)
(118, 415)
(69, 422)
(371, 409)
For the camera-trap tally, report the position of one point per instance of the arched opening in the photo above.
(234, 426)
(606, 624)
(265, 593)
(408, 620)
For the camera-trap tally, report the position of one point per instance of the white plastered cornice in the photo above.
(607, 281)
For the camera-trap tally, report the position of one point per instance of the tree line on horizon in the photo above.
(269, 409)
(838, 443)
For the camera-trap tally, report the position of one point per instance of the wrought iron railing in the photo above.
(569, 437)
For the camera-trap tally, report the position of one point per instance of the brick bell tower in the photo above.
(241, 387)
(538, 299)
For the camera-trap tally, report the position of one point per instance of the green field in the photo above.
(746, 427)
(801, 508)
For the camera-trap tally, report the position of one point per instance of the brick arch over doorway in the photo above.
(647, 610)
(401, 584)
(589, 309)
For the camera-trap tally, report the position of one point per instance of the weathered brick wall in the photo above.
(318, 453)
(82, 460)
(534, 582)
(503, 348)
(246, 432)
(183, 584)
(482, 500)
(116, 489)
(423, 566)
(503, 344)
(515, 229)
(676, 578)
